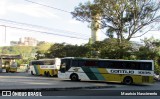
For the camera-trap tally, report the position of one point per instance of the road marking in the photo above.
(37, 83)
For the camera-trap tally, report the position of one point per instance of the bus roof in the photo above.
(49, 59)
(81, 58)
(45, 59)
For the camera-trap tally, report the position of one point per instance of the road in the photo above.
(26, 81)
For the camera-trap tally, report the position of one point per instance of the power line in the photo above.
(44, 32)
(5, 34)
(48, 6)
(26, 24)
(52, 8)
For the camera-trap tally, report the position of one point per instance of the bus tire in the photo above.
(48, 74)
(128, 80)
(7, 71)
(45, 73)
(74, 77)
(32, 73)
(55, 75)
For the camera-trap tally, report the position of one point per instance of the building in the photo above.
(13, 43)
(26, 41)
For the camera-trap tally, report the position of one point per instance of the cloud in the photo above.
(32, 10)
(3, 8)
(72, 21)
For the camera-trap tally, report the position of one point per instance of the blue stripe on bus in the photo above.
(97, 73)
(89, 73)
(36, 69)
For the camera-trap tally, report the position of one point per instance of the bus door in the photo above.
(65, 65)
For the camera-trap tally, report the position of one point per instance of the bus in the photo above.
(109, 70)
(8, 62)
(12, 67)
(9, 65)
(44, 67)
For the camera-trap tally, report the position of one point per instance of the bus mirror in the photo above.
(63, 66)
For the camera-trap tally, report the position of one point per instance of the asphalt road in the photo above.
(27, 81)
(24, 80)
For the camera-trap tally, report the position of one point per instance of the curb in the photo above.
(58, 89)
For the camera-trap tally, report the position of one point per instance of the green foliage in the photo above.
(25, 51)
(150, 51)
(67, 50)
(122, 19)
(108, 48)
(42, 48)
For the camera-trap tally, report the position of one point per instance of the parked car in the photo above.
(23, 68)
(156, 77)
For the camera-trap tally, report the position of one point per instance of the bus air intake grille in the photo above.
(145, 79)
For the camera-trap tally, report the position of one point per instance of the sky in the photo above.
(55, 21)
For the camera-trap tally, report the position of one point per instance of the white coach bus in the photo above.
(124, 71)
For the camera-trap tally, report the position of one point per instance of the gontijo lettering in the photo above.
(122, 71)
(117, 71)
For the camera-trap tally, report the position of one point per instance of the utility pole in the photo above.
(5, 34)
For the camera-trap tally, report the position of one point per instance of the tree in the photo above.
(109, 49)
(67, 50)
(25, 51)
(42, 48)
(150, 51)
(121, 18)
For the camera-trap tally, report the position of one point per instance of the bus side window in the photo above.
(81, 63)
(146, 66)
(101, 64)
(118, 65)
(91, 63)
(109, 64)
(124, 65)
(75, 63)
(33, 63)
(132, 65)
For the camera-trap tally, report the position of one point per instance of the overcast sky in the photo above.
(61, 22)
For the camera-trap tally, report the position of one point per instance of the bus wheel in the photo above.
(7, 70)
(45, 73)
(32, 73)
(55, 75)
(74, 77)
(48, 74)
(128, 80)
